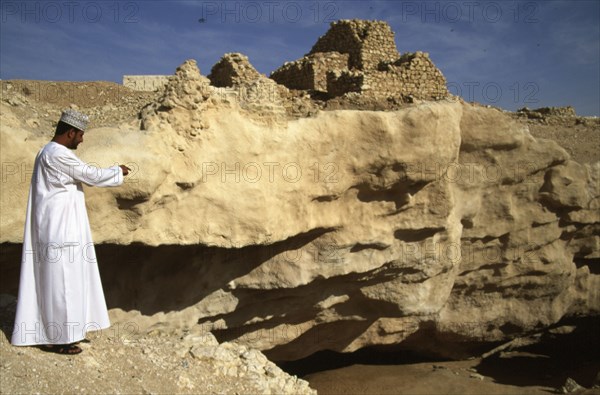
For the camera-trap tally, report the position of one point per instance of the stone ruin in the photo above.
(145, 83)
(310, 72)
(540, 113)
(233, 69)
(354, 56)
(361, 56)
(366, 42)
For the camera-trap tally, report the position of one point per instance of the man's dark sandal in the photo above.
(68, 349)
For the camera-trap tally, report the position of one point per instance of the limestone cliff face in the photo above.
(436, 226)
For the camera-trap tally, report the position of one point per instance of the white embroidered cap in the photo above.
(75, 118)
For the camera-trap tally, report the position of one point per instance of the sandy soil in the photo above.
(454, 377)
(579, 136)
(458, 377)
(542, 367)
(120, 360)
(114, 361)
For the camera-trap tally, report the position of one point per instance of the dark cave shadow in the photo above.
(523, 370)
(10, 254)
(10, 267)
(545, 364)
(330, 360)
(153, 279)
(551, 361)
(7, 321)
(176, 277)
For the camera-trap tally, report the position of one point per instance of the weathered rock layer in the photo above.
(435, 226)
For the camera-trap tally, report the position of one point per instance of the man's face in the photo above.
(75, 138)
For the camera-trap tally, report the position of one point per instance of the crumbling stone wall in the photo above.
(567, 111)
(233, 69)
(145, 82)
(346, 81)
(310, 72)
(373, 66)
(551, 114)
(413, 75)
(366, 42)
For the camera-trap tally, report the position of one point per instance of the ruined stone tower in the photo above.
(366, 42)
(361, 56)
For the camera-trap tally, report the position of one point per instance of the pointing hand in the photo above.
(125, 169)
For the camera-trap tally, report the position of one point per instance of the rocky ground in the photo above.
(121, 361)
(564, 360)
(40, 103)
(580, 136)
(192, 362)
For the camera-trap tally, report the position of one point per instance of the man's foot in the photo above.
(69, 349)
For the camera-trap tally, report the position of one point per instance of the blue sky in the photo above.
(504, 53)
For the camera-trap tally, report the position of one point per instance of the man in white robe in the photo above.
(60, 293)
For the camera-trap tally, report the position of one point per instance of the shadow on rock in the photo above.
(568, 350)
